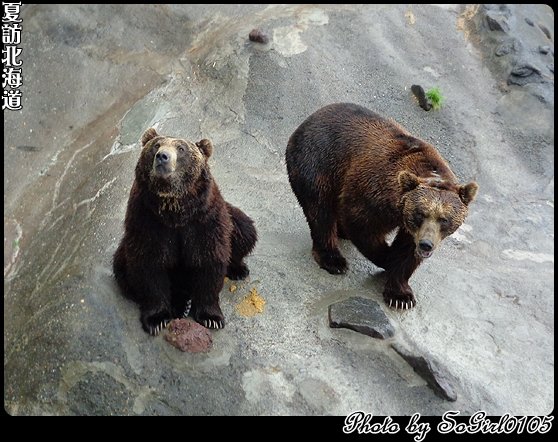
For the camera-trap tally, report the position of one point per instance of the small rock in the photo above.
(258, 36)
(551, 67)
(361, 315)
(524, 73)
(525, 69)
(545, 31)
(418, 91)
(544, 49)
(511, 45)
(529, 21)
(28, 148)
(188, 335)
(429, 370)
(496, 22)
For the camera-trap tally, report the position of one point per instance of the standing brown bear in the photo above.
(359, 176)
(181, 237)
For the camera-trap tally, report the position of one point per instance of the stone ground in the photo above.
(95, 77)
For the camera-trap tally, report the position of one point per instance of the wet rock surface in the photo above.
(96, 76)
(361, 315)
(188, 335)
(430, 370)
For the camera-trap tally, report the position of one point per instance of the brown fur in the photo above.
(360, 176)
(181, 237)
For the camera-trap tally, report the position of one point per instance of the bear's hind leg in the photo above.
(323, 229)
(243, 239)
(316, 203)
(119, 269)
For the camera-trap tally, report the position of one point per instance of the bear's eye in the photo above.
(418, 218)
(181, 148)
(156, 145)
(444, 222)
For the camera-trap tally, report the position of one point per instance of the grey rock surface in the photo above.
(430, 370)
(96, 76)
(362, 315)
(509, 31)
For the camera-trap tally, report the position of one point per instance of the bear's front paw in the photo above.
(238, 272)
(399, 299)
(154, 323)
(333, 262)
(210, 317)
(212, 321)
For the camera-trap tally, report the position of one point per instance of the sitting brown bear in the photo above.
(181, 237)
(359, 176)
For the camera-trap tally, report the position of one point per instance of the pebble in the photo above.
(259, 36)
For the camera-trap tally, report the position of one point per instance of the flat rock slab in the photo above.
(188, 335)
(361, 315)
(431, 371)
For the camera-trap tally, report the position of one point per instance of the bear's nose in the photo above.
(426, 245)
(162, 157)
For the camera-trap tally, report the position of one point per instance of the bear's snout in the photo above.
(162, 157)
(427, 238)
(426, 245)
(164, 162)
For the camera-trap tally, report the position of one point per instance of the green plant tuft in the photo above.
(435, 97)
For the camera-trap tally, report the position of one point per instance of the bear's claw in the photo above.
(187, 309)
(213, 324)
(399, 304)
(154, 331)
(155, 322)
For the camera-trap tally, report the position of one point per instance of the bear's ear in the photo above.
(148, 135)
(206, 147)
(407, 181)
(468, 192)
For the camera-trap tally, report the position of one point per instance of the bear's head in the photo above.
(432, 209)
(171, 166)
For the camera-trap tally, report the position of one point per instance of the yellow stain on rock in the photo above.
(251, 305)
(410, 17)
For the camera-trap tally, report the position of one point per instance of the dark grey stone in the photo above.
(431, 371)
(524, 73)
(544, 49)
(525, 69)
(545, 31)
(496, 22)
(259, 36)
(551, 67)
(362, 315)
(529, 21)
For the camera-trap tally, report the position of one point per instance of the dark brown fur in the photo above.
(181, 237)
(359, 176)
